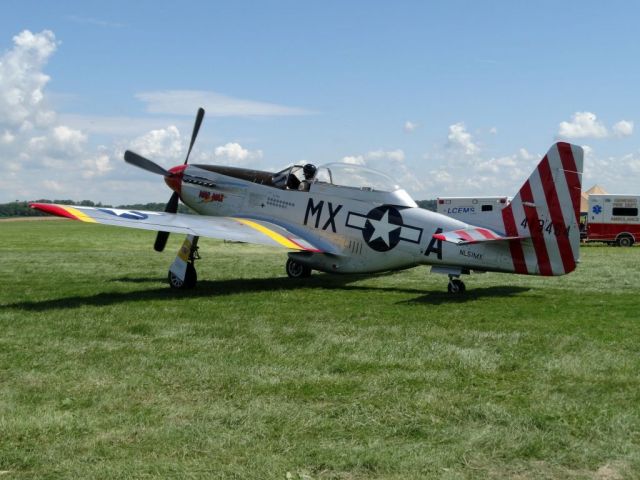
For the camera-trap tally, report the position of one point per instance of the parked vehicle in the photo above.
(485, 211)
(613, 219)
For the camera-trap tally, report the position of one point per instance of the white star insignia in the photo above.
(382, 228)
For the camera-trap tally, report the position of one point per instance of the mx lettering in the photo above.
(314, 210)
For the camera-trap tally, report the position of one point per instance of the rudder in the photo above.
(547, 209)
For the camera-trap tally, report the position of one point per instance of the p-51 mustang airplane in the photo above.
(350, 219)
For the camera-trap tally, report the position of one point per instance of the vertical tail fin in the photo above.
(547, 209)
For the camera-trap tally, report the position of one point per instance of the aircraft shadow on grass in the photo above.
(439, 298)
(219, 288)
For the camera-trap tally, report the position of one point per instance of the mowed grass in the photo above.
(106, 373)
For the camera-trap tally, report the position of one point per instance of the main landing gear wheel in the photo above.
(456, 286)
(297, 270)
(190, 279)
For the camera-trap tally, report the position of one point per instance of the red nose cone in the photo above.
(175, 180)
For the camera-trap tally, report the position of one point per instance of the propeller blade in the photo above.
(194, 134)
(161, 241)
(162, 237)
(145, 164)
(172, 204)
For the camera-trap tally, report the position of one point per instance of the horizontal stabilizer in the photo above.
(472, 235)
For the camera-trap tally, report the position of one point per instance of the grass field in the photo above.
(105, 373)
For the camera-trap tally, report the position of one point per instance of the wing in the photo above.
(224, 228)
(472, 235)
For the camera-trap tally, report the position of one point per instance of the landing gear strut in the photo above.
(297, 270)
(455, 285)
(182, 274)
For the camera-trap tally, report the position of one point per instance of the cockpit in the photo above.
(338, 174)
(344, 180)
(353, 181)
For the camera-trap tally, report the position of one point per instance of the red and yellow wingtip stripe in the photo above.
(275, 236)
(63, 211)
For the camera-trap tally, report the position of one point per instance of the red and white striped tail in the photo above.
(547, 209)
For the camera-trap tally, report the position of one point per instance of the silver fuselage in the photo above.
(367, 231)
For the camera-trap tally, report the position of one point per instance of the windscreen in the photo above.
(355, 176)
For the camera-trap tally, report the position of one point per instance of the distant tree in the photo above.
(18, 209)
(154, 207)
(428, 204)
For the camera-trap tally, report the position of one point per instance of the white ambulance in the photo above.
(614, 219)
(481, 211)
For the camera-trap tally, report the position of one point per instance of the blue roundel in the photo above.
(597, 209)
(128, 214)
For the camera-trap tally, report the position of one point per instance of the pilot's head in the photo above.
(309, 171)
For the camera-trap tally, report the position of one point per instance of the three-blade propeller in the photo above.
(146, 164)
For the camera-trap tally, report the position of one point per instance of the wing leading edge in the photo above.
(224, 228)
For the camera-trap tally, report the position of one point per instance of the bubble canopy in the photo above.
(355, 176)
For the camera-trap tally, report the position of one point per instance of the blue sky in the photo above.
(451, 98)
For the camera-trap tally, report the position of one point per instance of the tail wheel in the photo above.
(456, 286)
(297, 270)
(625, 241)
(190, 278)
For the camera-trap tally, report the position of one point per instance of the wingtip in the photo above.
(52, 209)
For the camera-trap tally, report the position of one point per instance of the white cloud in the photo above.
(582, 125)
(522, 152)
(65, 137)
(161, 145)
(186, 102)
(32, 138)
(22, 81)
(469, 175)
(99, 164)
(460, 139)
(374, 156)
(53, 147)
(40, 45)
(504, 174)
(617, 174)
(38, 151)
(395, 155)
(587, 125)
(496, 165)
(493, 130)
(7, 137)
(623, 128)
(235, 153)
(409, 126)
